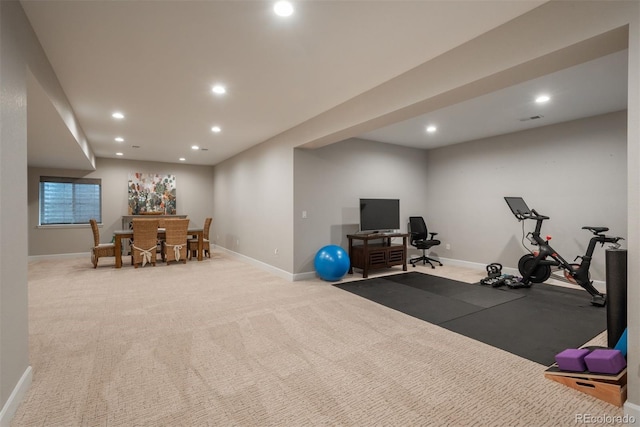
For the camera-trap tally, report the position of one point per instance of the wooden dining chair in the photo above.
(174, 246)
(206, 246)
(99, 250)
(145, 242)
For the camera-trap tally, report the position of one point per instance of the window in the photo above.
(70, 200)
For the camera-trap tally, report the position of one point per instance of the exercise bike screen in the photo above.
(517, 205)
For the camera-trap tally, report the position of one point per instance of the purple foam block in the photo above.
(605, 361)
(572, 359)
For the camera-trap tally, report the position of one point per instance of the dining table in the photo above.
(119, 235)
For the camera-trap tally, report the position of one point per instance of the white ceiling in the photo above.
(156, 62)
(595, 87)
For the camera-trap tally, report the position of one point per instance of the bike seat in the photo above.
(596, 230)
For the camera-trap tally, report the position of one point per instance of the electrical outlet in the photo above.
(276, 251)
(304, 214)
(448, 246)
(238, 242)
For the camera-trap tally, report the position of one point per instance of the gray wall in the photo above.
(20, 53)
(575, 173)
(193, 191)
(330, 181)
(632, 406)
(460, 189)
(14, 357)
(253, 211)
(518, 50)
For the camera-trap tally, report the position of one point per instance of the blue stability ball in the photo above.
(331, 263)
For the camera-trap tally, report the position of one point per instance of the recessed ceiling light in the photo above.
(195, 147)
(216, 129)
(283, 8)
(431, 128)
(119, 139)
(119, 154)
(182, 159)
(219, 89)
(542, 99)
(117, 115)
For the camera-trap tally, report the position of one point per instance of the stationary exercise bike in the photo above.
(536, 266)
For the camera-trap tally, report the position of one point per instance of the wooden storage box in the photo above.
(610, 388)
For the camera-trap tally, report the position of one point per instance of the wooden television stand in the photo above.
(370, 255)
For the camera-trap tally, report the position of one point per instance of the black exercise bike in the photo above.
(536, 266)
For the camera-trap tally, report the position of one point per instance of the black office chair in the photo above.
(421, 239)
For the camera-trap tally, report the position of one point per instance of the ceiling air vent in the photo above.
(526, 119)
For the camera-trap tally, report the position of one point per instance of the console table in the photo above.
(372, 255)
(127, 219)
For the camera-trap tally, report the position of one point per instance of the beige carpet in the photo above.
(221, 343)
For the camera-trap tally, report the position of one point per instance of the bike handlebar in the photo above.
(531, 215)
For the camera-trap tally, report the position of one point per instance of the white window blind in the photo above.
(70, 200)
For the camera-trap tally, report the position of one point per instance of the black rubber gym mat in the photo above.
(481, 296)
(535, 323)
(411, 300)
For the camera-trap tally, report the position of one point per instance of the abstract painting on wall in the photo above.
(152, 194)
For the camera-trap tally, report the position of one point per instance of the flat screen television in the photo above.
(379, 214)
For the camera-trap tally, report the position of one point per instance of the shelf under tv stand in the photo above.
(377, 251)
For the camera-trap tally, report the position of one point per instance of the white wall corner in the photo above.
(18, 393)
(631, 410)
(309, 275)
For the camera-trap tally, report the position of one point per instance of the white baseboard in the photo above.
(18, 393)
(631, 410)
(305, 276)
(264, 266)
(461, 263)
(598, 284)
(259, 264)
(59, 256)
